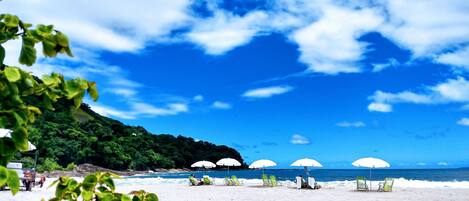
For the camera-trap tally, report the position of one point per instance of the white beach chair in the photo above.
(311, 182)
(299, 181)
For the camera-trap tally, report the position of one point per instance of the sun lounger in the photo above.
(228, 181)
(299, 182)
(194, 182)
(273, 181)
(235, 181)
(207, 180)
(386, 186)
(265, 180)
(312, 183)
(361, 184)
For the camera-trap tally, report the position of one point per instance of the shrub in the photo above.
(49, 165)
(95, 187)
(71, 166)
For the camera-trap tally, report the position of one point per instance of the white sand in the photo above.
(177, 190)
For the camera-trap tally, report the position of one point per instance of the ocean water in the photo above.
(330, 175)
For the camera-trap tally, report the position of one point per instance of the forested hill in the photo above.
(82, 136)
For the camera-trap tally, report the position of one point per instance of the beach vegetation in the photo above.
(24, 97)
(97, 186)
(49, 165)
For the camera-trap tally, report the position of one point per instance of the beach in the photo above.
(179, 190)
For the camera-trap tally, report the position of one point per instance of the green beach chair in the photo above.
(361, 184)
(235, 181)
(207, 180)
(193, 181)
(265, 180)
(273, 180)
(228, 181)
(386, 186)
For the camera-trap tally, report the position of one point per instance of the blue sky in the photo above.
(330, 80)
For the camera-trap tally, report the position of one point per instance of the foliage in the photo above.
(66, 137)
(71, 166)
(96, 186)
(23, 97)
(49, 165)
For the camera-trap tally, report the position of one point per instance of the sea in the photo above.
(328, 175)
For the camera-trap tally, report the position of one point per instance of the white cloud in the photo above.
(110, 112)
(381, 66)
(454, 90)
(463, 122)
(427, 27)
(457, 58)
(139, 109)
(151, 111)
(221, 105)
(225, 31)
(442, 164)
(123, 92)
(104, 25)
(198, 98)
(405, 96)
(299, 139)
(330, 45)
(379, 107)
(421, 164)
(267, 92)
(355, 124)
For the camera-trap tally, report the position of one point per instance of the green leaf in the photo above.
(48, 46)
(78, 99)
(13, 181)
(151, 197)
(4, 122)
(11, 20)
(93, 91)
(109, 182)
(68, 51)
(3, 175)
(87, 195)
(62, 39)
(12, 74)
(2, 54)
(125, 198)
(20, 137)
(28, 52)
(90, 182)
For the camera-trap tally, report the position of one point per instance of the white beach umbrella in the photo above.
(228, 162)
(7, 133)
(263, 163)
(306, 162)
(371, 163)
(203, 164)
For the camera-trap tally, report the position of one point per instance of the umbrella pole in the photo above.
(370, 179)
(306, 171)
(228, 170)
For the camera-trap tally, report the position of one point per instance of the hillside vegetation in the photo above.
(68, 136)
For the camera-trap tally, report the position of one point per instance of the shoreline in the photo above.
(84, 169)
